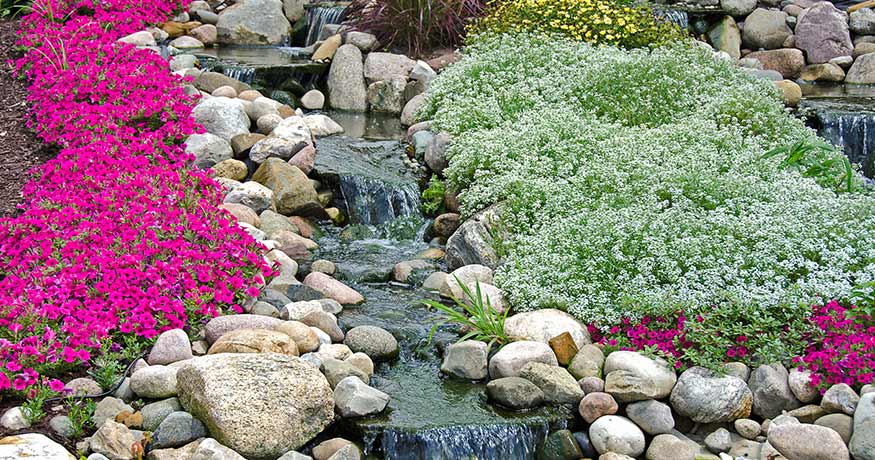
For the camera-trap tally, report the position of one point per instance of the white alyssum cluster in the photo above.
(632, 182)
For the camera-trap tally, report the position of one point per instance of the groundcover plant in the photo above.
(636, 182)
(118, 237)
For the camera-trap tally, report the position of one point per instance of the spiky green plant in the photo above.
(473, 313)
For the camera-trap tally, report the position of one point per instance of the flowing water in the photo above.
(321, 16)
(266, 66)
(429, 417)
(679, 18)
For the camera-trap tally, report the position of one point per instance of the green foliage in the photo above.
(596, 21)
(633, 182)
(474, 314)
(80, 411)
(14, 8)
(819, 160)
(34, 407)
(433, 196)
(108, 368)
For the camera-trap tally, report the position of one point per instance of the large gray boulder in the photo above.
(822, 32)
(170, 347)
(631, 376)
(862, 21)
(346, 82)
(260, 405)
(253, 22)
(514, 393)
(726, 37)
(613, 433)
(219, 325)
(810, 442)
(355, 398)
(473, 242)
(509, 361)
(765, 29)
(387, 66)
(771, 391)
(466, 360)
(376, 342)
(32, 446)
(208, 149)
(738, 8)
(293, 193)
(708, 398)
(863, 70)
(222, 116)
(863, 440)
(555, 382)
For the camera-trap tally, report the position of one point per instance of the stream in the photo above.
(429, 416)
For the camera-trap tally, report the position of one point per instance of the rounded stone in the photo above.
(707, 398)
(616, 434)
(170, 347)
(254, 341)
(651, 416)
(595, 405)
(509, 361)
(305, 339)
(373, 341)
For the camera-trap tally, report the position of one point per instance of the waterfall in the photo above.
(676, 17)
(504, 441)
(320, 16)
(372, 202)
(242, 73)
(850, 125)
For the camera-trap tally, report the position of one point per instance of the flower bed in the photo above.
(118, 235)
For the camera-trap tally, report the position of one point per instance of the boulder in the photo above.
(206, 34)
(361, 40)
(221, 116)
(260, 405)
(720, 440)
(587, 362)
(208, 149)
(560, 445)
(543, 325)
(305, 339)
(555, 382)
(254, 341)
(231, 169)
(862, 444)
(467, 359)
(321, 125)
(113, 440)
(726, 37)
(346, 83)
(313, 100)
(14, 419)
(469, 276)
(251, 194)
(253, 22)
(387, 66)
(669, 447)
(386, 96)
(333, 289)
(32, 446)
(788, 62)
(707, 398)
(473, 243)
(154, 382)
(326, 50)
(823, 72)
(325, 321)
(511, 359)
(865, 408)
(766, 29)
(355, 398)
(176, 430)
(187, 43)
(408, 114)
(210, 81)
(863, 70)
(616, 434)
(220, 325)
(170, 347)
(514, 393)
(275, 147)
(840, 423)
(293, 193)
(631, 376)
(107, 409)
(822, 32)
(595, 405)
(155, 413)
(771, 391)
(651, 416)
(373, 341)
(738, 7)
(840, 398)
(810, 442)
(336, 370)
(862, 21)
(141, 39)
(436, 152)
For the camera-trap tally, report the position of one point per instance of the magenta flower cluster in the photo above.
(118, 234)
(842, 350)
(665, 336)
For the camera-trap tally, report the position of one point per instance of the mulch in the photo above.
(20, 150)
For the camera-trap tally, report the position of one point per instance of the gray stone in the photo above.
(822, 32)
(14, 419)
(253, 22)
(346, 84)
(423, 72)
(187, 43)
(591, 384)
(473, 242)
(260, 405)
(669, 447)
(170, 347)
(251, 194)
(294, 10)
(325, 321)
(335, 370)
(747, 428)
(738, 7)
(863, 70)
(840, 423)
(373, 341)
(800, 385)
(313, 100)
(177, 429)
(865, 408)
(386, 96)
(719, 441)
(361, 40)
(651, 416)
(810, 442)
(736, 369)
(219, 325)
(154, 382)
(765, 29)
(466, 360)
(223, 117)
(355, 398)
(113, 440)
(510, 360)
(587, 362)
(408, 115)
(707, 398)
(514, 393)
(543, 325)
(557, 384)
(863, 440)
(862, 21)
(436, 153)
(293, 193)
(294, 455)
(631, 376)
(771, 391)
(840, 398)
(62, 425)
(387, 66)
(155, 413)
(276, 147)
(208, 149)
(321, 125)
(616, 434)
(142, 38)
(726, 37)
(107, 409)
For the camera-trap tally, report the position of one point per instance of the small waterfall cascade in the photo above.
(499, 441)
(242, 73)
(373, 202)
(677, 17)
(849, 124)
(320, 16)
